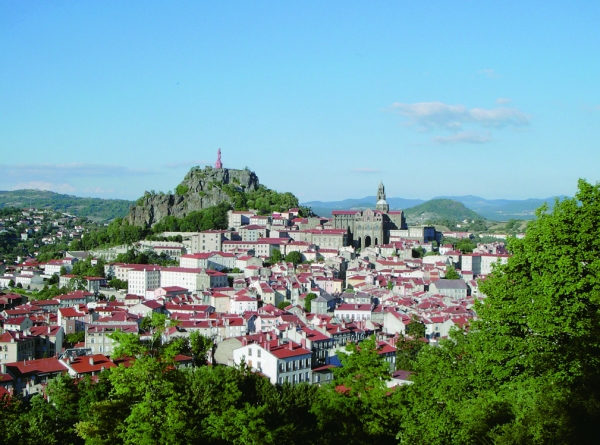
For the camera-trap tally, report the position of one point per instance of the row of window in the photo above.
(295, 378)
(294, 365)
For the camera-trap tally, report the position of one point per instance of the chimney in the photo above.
(303, 343)
(291, 345)
(92, 361)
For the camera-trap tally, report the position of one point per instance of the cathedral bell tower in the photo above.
(382, 204)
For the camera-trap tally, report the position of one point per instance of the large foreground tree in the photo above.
(527, 372)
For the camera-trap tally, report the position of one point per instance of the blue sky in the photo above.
(323, 99)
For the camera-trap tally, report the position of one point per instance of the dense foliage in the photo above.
(214, 217)
(527, 371)
(263, 199)
(151, 401)
(464, 245)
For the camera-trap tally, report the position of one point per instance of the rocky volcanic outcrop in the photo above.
(201, 188)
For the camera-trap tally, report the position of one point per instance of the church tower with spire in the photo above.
(382, 204)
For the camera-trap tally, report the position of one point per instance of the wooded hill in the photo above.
(440, 209)
(97, 208)
(202, 189)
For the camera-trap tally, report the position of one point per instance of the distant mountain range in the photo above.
(493, 209)
(94, 208)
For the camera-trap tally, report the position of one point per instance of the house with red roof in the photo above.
(9, 301)
(279, 360)
(18, 323)
(91, 365)
(16, 345)
(48, 340)
(30, 376)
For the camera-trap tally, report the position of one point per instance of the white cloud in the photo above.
(491, 73)
(503, 100)
(36, 172)
(464, 137)
(426, 116)
(41, 185)
(187, 163)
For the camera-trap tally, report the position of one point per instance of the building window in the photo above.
(249, 352)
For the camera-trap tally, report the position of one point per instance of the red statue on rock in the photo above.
(219, 164)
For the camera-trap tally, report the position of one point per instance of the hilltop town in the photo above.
(282, 292)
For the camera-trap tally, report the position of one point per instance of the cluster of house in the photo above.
(286, 321)
(257, 315)
(32, 273)
(55, 226)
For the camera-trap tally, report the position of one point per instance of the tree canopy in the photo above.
(527, 370)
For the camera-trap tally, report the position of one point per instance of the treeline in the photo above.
(6, 212)
(120, 232)
(264, 200)
(214, 217)
(151, 401)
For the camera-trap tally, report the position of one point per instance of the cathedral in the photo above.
(370, 227)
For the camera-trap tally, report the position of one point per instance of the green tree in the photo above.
(451, 273)
(294, 257)
(151, 344)
(465, 245)
(200, 347)
(527, 370)
(118, 284)
(75, 337)
(275, 256)
(11, 420)
(309, 297)
(418, 252)
(359, 409)
(362, 368)
(408, 346)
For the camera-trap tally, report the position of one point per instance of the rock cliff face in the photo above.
(201, 188)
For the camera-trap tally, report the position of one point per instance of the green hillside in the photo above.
(95, 208)
(441, 209)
